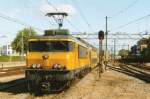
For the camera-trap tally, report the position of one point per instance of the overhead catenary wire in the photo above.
(73, 25)
(6, 17)
(131, 22)
(82, 14)
(94, 38)
(125, 9)
(75, 2)
(117, 33)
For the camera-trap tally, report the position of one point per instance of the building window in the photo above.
(9, 47)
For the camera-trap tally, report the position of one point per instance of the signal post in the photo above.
(101, 38)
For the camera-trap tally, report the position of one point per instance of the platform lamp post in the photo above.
(101, 38)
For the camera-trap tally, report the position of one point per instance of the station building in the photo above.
(6, 50)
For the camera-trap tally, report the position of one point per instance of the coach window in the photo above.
(82, 52)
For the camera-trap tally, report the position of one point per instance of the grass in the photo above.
(11, 58)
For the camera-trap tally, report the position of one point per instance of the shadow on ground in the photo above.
(22, 88)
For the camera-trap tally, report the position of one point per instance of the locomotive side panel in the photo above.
(83, 57)
(94, 58)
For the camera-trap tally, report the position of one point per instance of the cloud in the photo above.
(59, 8)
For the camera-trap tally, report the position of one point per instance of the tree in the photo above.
(123, 53)
(146, 52)
(17, 43)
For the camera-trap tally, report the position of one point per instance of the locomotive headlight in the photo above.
(33, 65)
(55, 66)
(38, 65)
(58, 66)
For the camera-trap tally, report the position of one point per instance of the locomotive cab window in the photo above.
(50, 46)
(82, 51)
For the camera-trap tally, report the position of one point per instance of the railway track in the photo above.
(141, 66)
(132, 70)
(9, 71)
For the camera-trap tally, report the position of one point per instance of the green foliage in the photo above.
(146, 53)
(10, 58)
(17, 43)
(123, 53)
(143, 41)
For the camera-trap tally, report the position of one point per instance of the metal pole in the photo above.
(128, 47)
(114, 50)
(10, 53)
(22, 47)
(30, 32)
(106, 44)
(111, 54)
(128, 51)
(106, 32)
(100, 57)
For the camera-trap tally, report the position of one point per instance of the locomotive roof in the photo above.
(54, 37)
(59, 37)
(62, 34)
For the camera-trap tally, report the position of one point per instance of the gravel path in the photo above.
(111, 85)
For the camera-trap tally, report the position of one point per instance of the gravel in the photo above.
(111, 85)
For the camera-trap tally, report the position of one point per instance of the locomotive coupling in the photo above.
(45, 86)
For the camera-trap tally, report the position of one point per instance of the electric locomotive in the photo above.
(56, 58)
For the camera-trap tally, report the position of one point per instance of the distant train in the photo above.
(57, 58)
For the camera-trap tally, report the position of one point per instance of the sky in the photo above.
(86, 16)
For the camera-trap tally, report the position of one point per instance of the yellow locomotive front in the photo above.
(50, 54)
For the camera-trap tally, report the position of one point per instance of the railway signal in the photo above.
(101, 38)
(100, 35)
